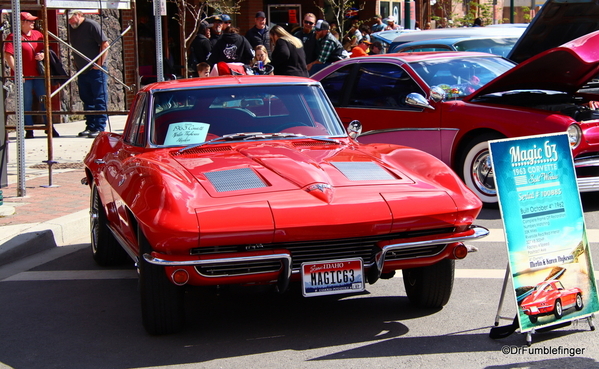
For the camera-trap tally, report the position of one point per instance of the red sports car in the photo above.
(551, 297)
(253, 180)
(450, 104)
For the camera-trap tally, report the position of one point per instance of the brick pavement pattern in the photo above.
(42, 204)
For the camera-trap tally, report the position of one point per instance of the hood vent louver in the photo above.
(363, 171)
(235, 180)
(202, 150)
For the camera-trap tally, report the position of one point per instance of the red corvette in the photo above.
(551, 298)
(253, 180)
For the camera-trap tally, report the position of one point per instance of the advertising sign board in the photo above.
(548, 250)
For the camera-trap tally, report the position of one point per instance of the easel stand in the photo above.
(504, 331)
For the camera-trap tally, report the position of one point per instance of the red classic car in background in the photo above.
(253, 180)
(551, 297)
(450, 104)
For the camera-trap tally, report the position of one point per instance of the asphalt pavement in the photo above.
(51, 207)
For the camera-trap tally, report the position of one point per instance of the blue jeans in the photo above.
(30, 87)
(93, 92)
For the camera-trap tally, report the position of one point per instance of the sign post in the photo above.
(548, 250)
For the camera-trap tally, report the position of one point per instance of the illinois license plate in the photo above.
(332, 277)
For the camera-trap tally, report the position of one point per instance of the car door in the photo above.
(374, 93)
(119, 168)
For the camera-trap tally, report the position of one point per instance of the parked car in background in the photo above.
(387, 37)
(451, 103)
(550, 297)
(494, 45)
(445, 33)
(253, 180)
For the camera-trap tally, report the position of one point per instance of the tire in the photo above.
(558, 310)
(533, 318)
(430, 286)
(105, 248)
(579, 304)
(162, 302)
(475, 168)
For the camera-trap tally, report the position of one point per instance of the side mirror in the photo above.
(354, 129)
(437, 94)
(418, 101)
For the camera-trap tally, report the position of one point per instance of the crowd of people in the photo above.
(309, 48)
(314, 45)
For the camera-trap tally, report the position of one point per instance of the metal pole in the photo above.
(46, 100)
(19, 110)
(158, 25)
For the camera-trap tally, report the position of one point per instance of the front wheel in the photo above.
(476, 169)
(430, 286)
(162, 302)
(105, 248)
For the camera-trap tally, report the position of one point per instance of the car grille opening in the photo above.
(232, 269)
(322, 250)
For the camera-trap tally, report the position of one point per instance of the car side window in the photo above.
(333, 84)
(383, 85)
(135, 134)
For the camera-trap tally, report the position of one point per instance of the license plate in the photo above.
(534, 309)
(332, 277)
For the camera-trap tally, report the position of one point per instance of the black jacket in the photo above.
(255, 38)
(231, 48)
(288, 60)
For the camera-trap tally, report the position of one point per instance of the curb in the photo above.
(39, 237)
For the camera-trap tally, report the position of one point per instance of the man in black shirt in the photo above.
(258, 35)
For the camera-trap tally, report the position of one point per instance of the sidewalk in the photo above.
(47, 216)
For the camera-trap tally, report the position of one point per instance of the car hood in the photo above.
(558, 22)
(565, 68)
(225, 170)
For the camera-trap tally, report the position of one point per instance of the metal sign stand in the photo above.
(529, 334)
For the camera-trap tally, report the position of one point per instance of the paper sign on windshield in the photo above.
(186, 133)
(548, 250)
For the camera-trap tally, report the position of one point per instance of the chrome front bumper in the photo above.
(285, 276)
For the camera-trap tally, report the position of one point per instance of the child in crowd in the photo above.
(260, 54)
(203, 69)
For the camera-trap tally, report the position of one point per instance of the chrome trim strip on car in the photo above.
(588, 184)
(158, 261)
(377, 131)
(479, 232)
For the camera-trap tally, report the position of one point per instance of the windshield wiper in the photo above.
(254, 136)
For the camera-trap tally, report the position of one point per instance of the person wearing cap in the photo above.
(308, 37)
(200, 47)
(32, 51)
(378, 24)
(360, 49)
(258, 35)
(217, 29)
(87, 37)
(330, 49)
(391, 24)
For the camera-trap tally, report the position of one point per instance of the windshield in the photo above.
(497, 46)
(192, 116)
(461, 77)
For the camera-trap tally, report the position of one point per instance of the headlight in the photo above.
(574, 135)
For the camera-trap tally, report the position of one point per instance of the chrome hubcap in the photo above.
(482, 173)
